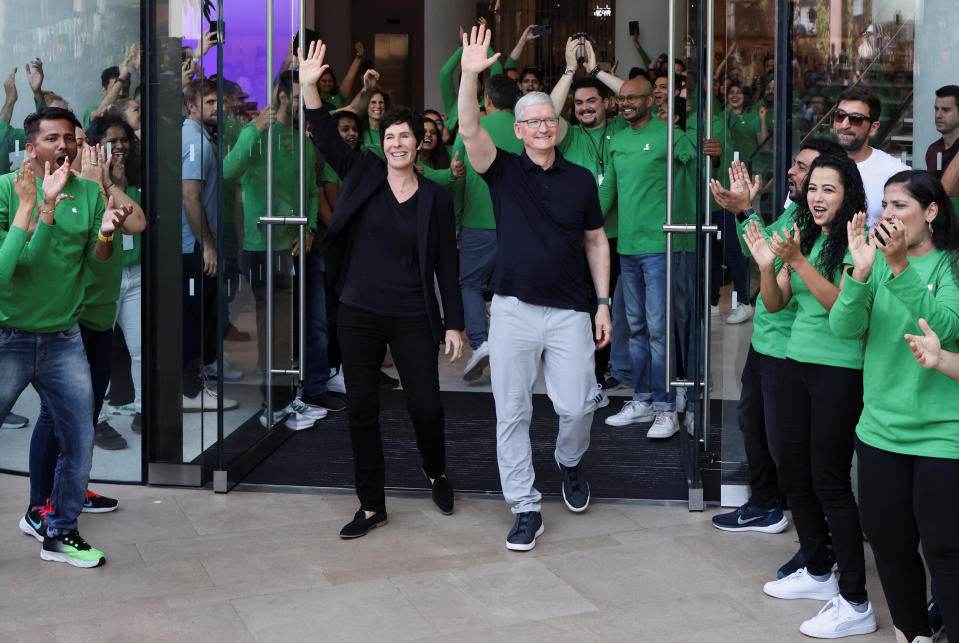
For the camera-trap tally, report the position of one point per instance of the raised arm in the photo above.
(479, 146)
(615, 83)
(513, 60)
(9, 97)
(336, 152)
(346, 85)
(561, 88)
(34, 72)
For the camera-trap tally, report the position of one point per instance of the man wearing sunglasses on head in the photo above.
(855, 120)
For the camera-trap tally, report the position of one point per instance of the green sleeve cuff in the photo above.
(849, 317)
(511, 63)
(10, 250)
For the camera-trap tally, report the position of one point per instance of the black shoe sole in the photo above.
(477, 371)
(368, 530)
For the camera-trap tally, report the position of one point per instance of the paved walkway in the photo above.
(189, 565)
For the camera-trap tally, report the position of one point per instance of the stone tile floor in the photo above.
(190, 565)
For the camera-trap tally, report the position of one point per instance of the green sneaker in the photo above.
(71, 548)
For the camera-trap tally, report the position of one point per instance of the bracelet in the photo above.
(595, 71)
(106, 188)
(104, 239)
(570, 71)
(604, 301)
(43, 212)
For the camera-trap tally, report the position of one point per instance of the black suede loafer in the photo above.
(361, 525)
(442, 494)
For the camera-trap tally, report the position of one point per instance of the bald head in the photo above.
(637, 100)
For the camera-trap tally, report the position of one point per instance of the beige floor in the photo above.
(189, 565)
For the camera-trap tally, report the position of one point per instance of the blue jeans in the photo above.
(317, 367)
(477, 258)
(44, 448)
(56, 365)
(620, 363)
(644, 291)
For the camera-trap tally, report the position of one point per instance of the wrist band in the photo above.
(569, 70)
(104, 239)
(50, 211)
(106, 188)
(595, 71)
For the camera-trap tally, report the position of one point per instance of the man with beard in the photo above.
(637, 178)
(549, 225)
(947, 123)
(588, 144)
(247, 161)
(52, 227)
(855, 120)
(767, 351)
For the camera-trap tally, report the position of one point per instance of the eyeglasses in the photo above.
(855, 119)
(631, 98)
(534, 123)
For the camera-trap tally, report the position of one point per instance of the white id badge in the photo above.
(127, 242)
(599, 179)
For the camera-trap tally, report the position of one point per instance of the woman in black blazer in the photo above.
(392, 231)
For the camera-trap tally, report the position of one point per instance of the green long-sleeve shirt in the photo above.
(247, 162)
(448, 87)
(41, 287)
(9, 137)
(906, 408)
(771, 330)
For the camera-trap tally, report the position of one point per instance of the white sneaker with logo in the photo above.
(800, 584)
(302, 408)
(837, 619)
(632, 412)
(666, 425)
(598, 397)
(743, 313)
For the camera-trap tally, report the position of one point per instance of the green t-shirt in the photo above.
(370, 140)
(247, 161)
(741, 132)
(448, 90)
(40, 278)
(906, 408)
(812, 340)
(131, 242)
(477, 204)
(329, 175)
(9, 137)
(337, 99)
(771, 330)
(87, 113)
(636, 180)
(591, 149)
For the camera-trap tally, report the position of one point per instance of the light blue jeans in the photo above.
(477, 259)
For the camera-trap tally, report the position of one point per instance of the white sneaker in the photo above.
(666, 425)
(714, 311)
(230, 374)
(632, 412)
(598, 397)
(743, 312)
(479, 360)
(336, 383)
(302, 408)
(681, 399)
(299, 422)
(800, 584)
(205, 401)
(277, 416)
(837, 619)
(124, 409)
(918, 639)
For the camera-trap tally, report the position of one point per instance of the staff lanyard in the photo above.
(599, 150)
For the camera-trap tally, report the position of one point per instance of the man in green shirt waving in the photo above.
(44, 248)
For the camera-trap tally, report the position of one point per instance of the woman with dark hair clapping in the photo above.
(820, 398)
(907, 439)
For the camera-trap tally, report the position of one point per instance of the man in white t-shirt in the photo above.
(854, 121)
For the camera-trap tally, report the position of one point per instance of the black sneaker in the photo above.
(106, 437)
(34, 522)
(387, 381)
(799, 560)
(71, 548)
(613, 384)
(327, 400)
(522, 537)
(442, 494)
(575, 489)
(97, 504)
(137, 424)
(361, 525)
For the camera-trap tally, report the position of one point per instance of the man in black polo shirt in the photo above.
(547, 213)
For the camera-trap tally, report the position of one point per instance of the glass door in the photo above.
(228, 133)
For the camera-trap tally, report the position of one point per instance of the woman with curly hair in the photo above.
(907, 438)
(820, 398)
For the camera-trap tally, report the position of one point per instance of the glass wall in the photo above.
(55, 55)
